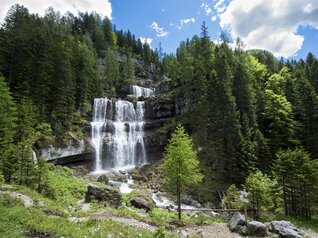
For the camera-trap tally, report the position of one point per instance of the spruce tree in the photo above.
(8, 123)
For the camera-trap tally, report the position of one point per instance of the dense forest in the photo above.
(252, 117)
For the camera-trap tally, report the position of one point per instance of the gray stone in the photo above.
(236, 220)
(141, 203)
(183, 234)
(105, 194)
(285, 229)
(103, 179)
(256, 228)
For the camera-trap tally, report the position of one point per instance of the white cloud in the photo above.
(102, 7)
(186, 21)
(183, 22)
(270, 24)
(145, 40)
(220, 6)
(160, 31)
(206, 8)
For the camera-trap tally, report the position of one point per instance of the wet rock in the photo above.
(106, 194)
(256, 228)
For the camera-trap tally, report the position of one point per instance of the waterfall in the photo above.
(120, 124)
(99, 119)
(141, 91)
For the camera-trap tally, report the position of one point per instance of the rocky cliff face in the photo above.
(160, 108)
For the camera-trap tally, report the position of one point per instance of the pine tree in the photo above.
(297, 174)
(8, 122)
(181, 165)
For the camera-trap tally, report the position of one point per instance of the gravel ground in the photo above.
(128, 221)
(216, 230)
(308, 233)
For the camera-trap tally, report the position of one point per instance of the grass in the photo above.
(52, 209)
(18, 221)
(310, 224)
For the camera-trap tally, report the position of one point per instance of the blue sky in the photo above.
(287, 28)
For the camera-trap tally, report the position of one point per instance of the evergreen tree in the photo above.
(259, 188)
(111, 74)
(8, 123)
(181, 165)
(297, 174)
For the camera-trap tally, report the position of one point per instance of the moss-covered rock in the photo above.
(108, 195)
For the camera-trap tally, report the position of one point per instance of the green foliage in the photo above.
(18, 221)
(232, 198)
(259, 188)
(160, 232)
(8, 120)
(63, 186)
(298, 176)
(6, 200)
(163, 216)
(181, 165)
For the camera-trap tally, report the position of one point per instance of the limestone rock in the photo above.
(236, 220)
(105, 194)
(285, 229)
(141, 203)
(183, 234)
(256, 228)
(103, 179)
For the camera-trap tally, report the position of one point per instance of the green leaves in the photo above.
(298, 176)
(180, 160)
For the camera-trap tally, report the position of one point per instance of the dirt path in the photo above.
(128, 221)
(216, 230)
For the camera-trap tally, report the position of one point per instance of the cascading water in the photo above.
(99, 119)
(127, 144)
(141, 91)
(121, 125)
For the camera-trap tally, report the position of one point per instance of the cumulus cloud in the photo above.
(146, 40)
(160, 31)
(103, 7)
(270, 24)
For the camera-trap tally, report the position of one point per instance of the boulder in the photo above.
(183, 234)
(236, 220)
(141, 203)
(256, 228)
(285, 229)
(188, 200)
(103, 179)
(106, 194)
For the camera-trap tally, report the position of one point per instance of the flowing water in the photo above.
(141, 91)
(118, 132)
